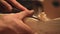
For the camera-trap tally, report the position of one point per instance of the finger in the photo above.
(18, 5)
(23, 14)
(8, 7)
(21, 26)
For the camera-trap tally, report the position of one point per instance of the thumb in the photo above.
(23, 14)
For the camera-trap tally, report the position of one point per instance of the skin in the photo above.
(14, 3)
(8, 21)
(13, 23)
(51, 11)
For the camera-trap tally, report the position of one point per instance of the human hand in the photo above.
(13, 23)
(6, 5)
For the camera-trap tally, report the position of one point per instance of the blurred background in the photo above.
(32, 5)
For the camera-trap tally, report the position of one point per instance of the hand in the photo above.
(6, 5)
(13, 23)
